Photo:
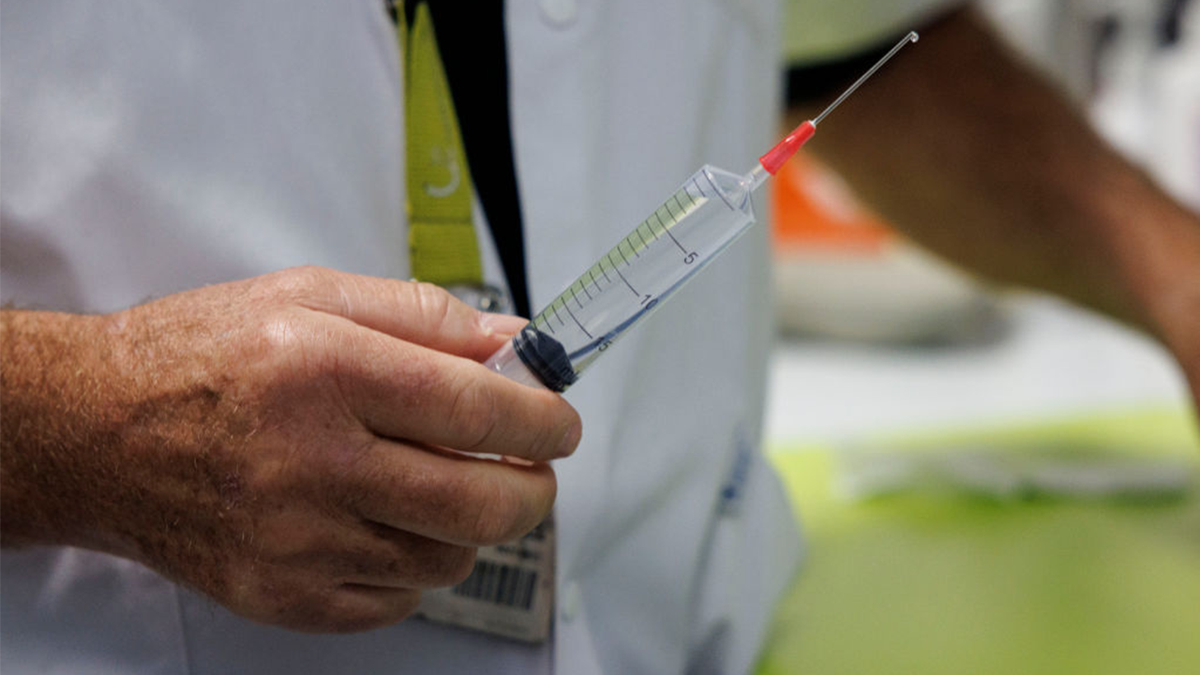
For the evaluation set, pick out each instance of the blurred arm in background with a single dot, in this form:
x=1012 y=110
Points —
x=972 y=153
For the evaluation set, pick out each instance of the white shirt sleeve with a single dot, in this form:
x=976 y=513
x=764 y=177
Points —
x=816 y=30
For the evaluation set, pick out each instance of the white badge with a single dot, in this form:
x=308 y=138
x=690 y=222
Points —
x=510 y=593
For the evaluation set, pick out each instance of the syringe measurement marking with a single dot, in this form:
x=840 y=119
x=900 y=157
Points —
x=684 y=210
x=592 y=276
x=650 y=229
x=658 y=217
x=554 y=310
x=631 y=288
x=668 y=232
x=585 y=331
x=574 y=295
x=672 y=218
x=560 y=305
x=645 y=244
x=617 y=269
x=583 y=287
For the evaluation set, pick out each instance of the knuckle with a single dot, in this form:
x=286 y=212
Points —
x=294 y=283
x=295 y=345
x=421 y=388
x=499 y=518
x=310 y=279
x=281 y=332
x=319 y=288
x=433 y=303
x=457 y=566
x=474 y=413
x=289 y=601
x=419 y=562
x=311 y=601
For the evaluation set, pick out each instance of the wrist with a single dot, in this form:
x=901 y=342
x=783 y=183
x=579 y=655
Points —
x=54 y=429
x=1170 y=292
x=1154 y=245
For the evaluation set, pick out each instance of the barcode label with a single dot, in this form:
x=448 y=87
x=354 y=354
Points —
x=498 y=584
x=510 y=592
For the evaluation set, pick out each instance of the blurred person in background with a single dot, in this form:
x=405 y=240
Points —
x=966 y=149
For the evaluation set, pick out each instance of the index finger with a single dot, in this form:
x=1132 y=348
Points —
x=412 y=311
x=402 y=390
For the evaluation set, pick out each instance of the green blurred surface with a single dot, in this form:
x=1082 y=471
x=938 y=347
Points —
x=935 y=581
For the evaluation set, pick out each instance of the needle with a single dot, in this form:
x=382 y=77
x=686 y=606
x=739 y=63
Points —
x=779 y=154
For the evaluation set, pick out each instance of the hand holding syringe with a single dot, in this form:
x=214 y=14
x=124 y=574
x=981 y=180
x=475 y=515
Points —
x=683 y=235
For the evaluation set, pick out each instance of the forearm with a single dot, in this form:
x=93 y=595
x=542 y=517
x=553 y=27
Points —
x=961 y=146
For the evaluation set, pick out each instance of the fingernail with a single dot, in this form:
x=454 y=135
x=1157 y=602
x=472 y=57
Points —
x=504 y=325
x=569 y=439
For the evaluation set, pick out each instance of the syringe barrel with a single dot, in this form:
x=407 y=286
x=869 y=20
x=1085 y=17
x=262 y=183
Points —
x=506 y=362
x=633 y=279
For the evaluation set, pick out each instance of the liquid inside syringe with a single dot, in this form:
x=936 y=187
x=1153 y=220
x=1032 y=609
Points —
x=689 y=230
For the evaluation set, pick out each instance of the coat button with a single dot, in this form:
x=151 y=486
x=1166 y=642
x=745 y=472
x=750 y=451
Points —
x=560 y=13
x=572 y=602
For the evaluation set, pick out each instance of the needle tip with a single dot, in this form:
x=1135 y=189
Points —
x=913 y=37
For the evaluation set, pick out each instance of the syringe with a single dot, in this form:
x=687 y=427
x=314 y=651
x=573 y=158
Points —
x=690 y=229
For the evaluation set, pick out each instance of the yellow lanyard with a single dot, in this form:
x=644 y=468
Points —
x=441 y=233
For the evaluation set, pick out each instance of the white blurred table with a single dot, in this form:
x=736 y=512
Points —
x=1053 y=360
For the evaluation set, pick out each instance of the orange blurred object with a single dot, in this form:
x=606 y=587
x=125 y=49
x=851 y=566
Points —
x=813 y=208
x=842 y=272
